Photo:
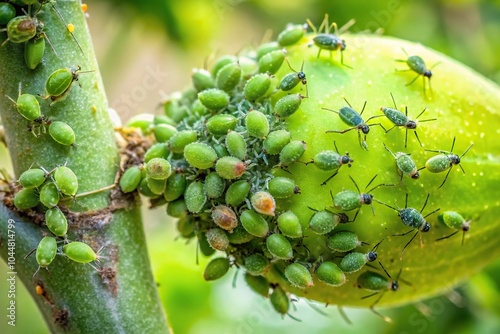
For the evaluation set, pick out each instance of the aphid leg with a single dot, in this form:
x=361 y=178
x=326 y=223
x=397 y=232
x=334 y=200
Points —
x=446 y=177
x=448 y=236
x=328 y=179
x=413 y=80
x=344 y=315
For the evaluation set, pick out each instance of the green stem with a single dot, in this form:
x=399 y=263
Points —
x=122 y=296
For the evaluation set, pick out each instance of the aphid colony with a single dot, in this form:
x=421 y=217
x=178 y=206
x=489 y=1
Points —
x=28 y=28
x=219 y=148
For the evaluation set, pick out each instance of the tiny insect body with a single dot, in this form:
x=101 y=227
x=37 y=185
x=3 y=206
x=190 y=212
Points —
x=445 y=161
x=329 y=160
x=354 y=119
x=59 y=83
x=291 y=80
x=454 y=220
x=405 y=164
x=417 y=65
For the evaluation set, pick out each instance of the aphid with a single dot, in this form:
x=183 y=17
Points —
x=329 y=160
x=199 y=155
x=45 y=253
x=271 y=62
x=32 y=178
x=158 y=169
x=49 y=195
x=66 y=180
x=163 y=132
x=175 y=187
x=298 y=275
x=289 y=225
x=258 y=284
x=256 y=264
x=329 y=273
x=56 y=222
x=224 y=217
x=202 y=79
x=257 y=86
x=230 y=168
x=400 y=119
x=62 y=133
x=283 y=187
x=214 y=185
x=352 y=118
x=236 y=145
x=22 y=28
x=179 y=141
x=59 y=83
x=291 y=80
x=280 y=300
x=219 y=125
x=254 y=223
x=81 y=252
x=217 y=239
x=237 y=192
x=228 y=77
x=279 y=247
x=291 y=35
x=354 y=261
x=26 y=199
x=131 y=179
x=344 y=241
x=323 y=222
x=414 y=219
x=185 y=227
x=27 y=105
x=348 y=200
x=33 y=52
x=276 y=141
x=7 y=13
x=454 y=220
x=292 y=152
x=445 y=161
x=175 y=208
x=257 y=124
x=195 y=197
x=288 y=105
x=328 y=41
x=157 y=186
x=372 y=281
x=405 y=164
x=264 y=203
x=216 y=268
x=417 y=65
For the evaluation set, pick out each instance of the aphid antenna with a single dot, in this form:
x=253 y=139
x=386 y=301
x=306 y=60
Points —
x=50 y=43
x=313 y=209
x=387 y=205
x=317 y=309
x=376 y=246
x=291 y=316
x=345 y=27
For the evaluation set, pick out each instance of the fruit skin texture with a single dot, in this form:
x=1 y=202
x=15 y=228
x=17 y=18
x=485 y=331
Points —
x=456 y=91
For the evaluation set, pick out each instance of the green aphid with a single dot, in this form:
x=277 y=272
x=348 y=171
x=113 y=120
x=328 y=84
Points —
x=258 y=284
x=180 y=140
x=157 y=186
x=158 y=169
x=214 y=185
x=224 y=217
x=45 y=252
x=56 y=222
x=27 y=105
x=329 y=160
x=265 y=48
x=176 y=208
x=417 y=65
x=230 y=168
x=66 y=180
x=292 y=152
x=288 y=105
x=454 y=220
x=32 y=178
x=186 y=226
x=298 y=275
x=59 y=83
x=214 y=99
x=276 y=141
x=217 y=239
x=221 y=124
x=405 y=164
x=195 y=197
x=354 y=261
x=289 y=225
x=279 y=300
x=22 y=28
x=445 y=161
x=216 y=268
x=283 y=187
x=33 y=52
x=271 y=62
x=257 y=86
x=291 y=80
x=344 y=241
x=279 y=247
x=163 y=132
x=26 y=199
x=329 y=273
x=323 y=222
x=257 y=124
x=203 y=244
x=7 y=13
x=62 y=133
x=237 y=192
x=176 y=185
x=236 y=145
x=200 y=155
x=80 y=252
x=228 y=77
x=256 y=264
x=292 y=34
x=49 y=195
x=130 y=179
x=254 y=223
x=202 y=80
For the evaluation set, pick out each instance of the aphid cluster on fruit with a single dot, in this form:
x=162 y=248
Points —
x=228 y=159
x=29 y=28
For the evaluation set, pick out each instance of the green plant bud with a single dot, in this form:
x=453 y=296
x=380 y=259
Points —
x=237 y=192
x=276 y=141
x=240 y=236
x=292 y=152
x=79 y=252
x=179 y=140
x=283 y=187
x=236 y=145
x=228 y=77
x=298 y=276
x=200 y=155
x=205 y=247
x=66 y=180
x=263 y=203
x=26 y=199
x=46 y=251
x=163 y=132
x=257 y=124
x=177 y=208
x=343 y=241
x=266 y=48
x=141 y=121
x=289 y=225
x=158 y=169
x=224 y=217
x=271 y=61
x=49 y=195
x=221 y=62
x=202 y=79
x=32 y=178
x=230 y=168
x=56 y=222
x=279 y=300
x=185 y=226
x=288 y=105
x=258 y=284
x=33 y=52
x=214 y=99
x=291 y=35
x=195 y=197
x=145 y=190
x=7 y=13
x=22 y=28
x=130 y=179
x=254 y=223
x=176 y=185
x=279 y=247
x=217 y=239
x=219 y=125
x=257 y=264
x=220 y=150
x=158 y=150
x=329 y=273
x=216 y=268
x=62 y=133
x=323 y=222
x=257 y=86
x=157 y=187
x=214 y=185
x=27 y=105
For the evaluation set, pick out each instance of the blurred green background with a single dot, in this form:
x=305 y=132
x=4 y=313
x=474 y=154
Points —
x=146 y=49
